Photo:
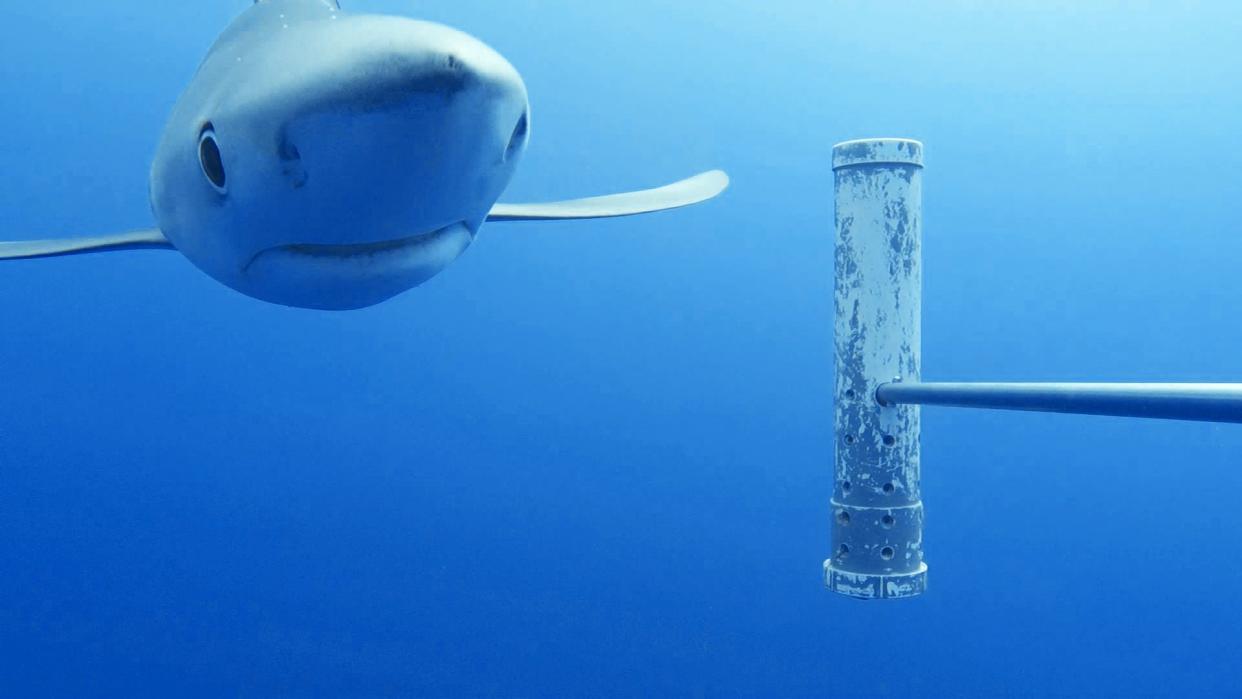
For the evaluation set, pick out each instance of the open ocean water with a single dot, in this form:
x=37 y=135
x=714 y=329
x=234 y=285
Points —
x=594 y=459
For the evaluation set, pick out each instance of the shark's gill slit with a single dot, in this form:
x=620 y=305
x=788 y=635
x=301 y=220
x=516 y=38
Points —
x=210 y=159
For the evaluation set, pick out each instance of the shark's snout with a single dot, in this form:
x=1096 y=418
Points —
x=398 y=60
x=414 y=134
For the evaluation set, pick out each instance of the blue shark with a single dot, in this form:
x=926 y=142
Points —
x=327 y=160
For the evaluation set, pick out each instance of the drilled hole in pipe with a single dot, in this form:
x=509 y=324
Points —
x=843 y=551
x=843 y=518
x=845 y=487
x=887 y=521
x=889 y=440
x=850 y=394
x=849 y=439
x=887 y=553
x=888 y=488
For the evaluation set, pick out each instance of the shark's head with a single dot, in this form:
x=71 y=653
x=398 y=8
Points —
x=331 y=161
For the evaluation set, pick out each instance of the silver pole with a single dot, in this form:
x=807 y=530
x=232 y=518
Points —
x=1207 y=402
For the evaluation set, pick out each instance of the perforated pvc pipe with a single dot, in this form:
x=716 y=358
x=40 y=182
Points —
x=877 y=508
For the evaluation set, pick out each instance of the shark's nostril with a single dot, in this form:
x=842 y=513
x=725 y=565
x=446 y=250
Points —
x=518 y=140
x=291 y=163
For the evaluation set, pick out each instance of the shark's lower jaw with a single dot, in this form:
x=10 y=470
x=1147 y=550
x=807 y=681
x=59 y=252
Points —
x=345 y=277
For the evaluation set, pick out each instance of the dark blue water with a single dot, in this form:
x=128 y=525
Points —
x=594 y=459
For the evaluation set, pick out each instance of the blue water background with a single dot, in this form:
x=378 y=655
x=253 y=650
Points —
x=594 y=459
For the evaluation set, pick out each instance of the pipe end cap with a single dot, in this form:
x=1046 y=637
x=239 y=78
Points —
x=870 y=586
x=873 y=151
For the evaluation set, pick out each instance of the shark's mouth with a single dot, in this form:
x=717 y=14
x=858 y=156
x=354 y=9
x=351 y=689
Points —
x=353 y=252
x=353 y=275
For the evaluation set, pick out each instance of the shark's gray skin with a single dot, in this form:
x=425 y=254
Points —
x=325 y=160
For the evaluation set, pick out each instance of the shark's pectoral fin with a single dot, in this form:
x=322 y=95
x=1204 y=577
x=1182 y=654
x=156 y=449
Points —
x=136 y=240
x=684 y=193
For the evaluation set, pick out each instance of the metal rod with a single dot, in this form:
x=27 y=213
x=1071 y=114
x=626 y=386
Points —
x=1205 y=402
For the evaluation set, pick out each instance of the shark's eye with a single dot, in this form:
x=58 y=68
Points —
x=210 y=160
